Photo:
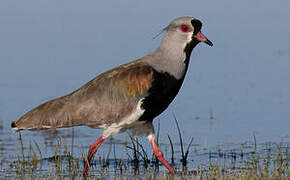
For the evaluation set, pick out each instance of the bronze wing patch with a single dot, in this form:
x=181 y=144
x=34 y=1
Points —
x=136 y=81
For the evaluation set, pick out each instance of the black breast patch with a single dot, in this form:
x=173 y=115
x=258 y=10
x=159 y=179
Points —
x=162 y=92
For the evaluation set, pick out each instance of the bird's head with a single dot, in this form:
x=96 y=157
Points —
x=173 y=54
x=185 y=31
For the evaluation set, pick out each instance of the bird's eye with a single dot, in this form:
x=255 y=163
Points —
x=184 y=28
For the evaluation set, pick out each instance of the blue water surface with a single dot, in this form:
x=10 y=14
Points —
x=237 y=88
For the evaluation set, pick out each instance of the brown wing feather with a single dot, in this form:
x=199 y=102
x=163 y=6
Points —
x=104 y=100
x=136 y=81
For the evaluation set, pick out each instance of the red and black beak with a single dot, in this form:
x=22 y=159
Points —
x=200 y=37
x=197 y=33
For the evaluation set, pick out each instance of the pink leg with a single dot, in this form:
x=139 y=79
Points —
x=159 y=154
x=92 y=151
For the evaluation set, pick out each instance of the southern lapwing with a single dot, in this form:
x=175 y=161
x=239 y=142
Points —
x=127 y=97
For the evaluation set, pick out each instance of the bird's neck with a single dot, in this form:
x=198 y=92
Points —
x=175 y=61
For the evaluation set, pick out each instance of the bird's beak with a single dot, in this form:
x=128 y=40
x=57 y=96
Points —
x=199 y=36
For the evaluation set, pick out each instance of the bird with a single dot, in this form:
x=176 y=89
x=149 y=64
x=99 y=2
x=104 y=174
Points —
x=127 y=97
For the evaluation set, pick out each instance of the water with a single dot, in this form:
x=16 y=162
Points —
x=237 y=88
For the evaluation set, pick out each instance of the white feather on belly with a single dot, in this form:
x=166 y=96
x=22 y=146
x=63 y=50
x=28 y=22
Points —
x=126 y=123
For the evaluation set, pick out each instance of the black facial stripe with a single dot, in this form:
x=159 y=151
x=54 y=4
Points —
x=188 y=49
x=197 y=25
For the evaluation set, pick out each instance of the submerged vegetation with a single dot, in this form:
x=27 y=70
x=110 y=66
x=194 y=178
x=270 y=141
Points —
x=248 y=160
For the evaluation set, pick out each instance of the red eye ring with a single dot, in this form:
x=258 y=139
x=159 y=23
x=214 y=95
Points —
x=184 y=28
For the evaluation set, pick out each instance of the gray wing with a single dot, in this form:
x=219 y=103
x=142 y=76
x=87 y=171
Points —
x=104 y=100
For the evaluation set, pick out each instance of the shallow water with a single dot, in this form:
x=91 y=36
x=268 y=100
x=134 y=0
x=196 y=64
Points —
x=237 y=88
x=62 y=156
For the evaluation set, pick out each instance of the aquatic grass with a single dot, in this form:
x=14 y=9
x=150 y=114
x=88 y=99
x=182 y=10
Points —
x=38 y=148
x=214 y=171
x=250 y=161
x=183 y=155
x=117 y=163
x=144 y=156
x=172 y=151
x=106 y=162
x=57 y=156
x=27 y=165
x=21 y=160
x=33 y=156
x=136 y=154
x=139 y=150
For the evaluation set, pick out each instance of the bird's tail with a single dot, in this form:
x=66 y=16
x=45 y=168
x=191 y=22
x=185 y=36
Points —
x=52 y=114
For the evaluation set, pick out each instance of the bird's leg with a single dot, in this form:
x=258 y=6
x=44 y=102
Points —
x=159 y=154
x=92 y=151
